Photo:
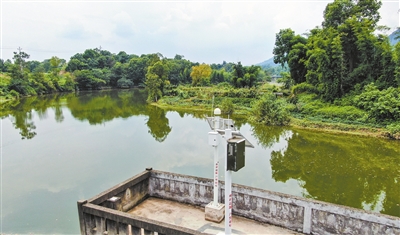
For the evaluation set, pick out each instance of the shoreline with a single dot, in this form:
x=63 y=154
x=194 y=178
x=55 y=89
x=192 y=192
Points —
x=334 y=128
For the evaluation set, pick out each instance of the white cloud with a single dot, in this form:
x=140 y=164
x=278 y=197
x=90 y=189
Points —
x=202 y=31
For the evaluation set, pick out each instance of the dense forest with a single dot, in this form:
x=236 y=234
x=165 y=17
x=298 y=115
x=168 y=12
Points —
x=348 y=61
x=98 y=69
x=345 y=70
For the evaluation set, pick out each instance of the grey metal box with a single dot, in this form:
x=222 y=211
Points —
x=236 y=154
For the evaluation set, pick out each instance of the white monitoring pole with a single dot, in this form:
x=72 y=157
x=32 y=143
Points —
x=217 y=112
x=228 y=187
x=214 y=211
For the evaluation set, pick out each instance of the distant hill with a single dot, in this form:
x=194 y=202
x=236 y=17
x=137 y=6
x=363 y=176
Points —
x=392 y=37
x=274 y=70
x=268 y=63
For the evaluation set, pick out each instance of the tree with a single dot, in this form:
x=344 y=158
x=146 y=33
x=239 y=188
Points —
x=156 y=79
x=283 y=46
x=19 y=75
x=86 y=80
x=244 y=76
x=55 y=64
x=20 y=58
x=270 y=110
x=201 y=75
x=396 y=59
x=118 y=71
x=122 y=57
x=5 y=65
x=291 y=49
x=339 y=11
x=136 y=70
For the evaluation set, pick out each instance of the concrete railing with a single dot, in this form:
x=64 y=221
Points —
x=295 y=213
x=106 y=212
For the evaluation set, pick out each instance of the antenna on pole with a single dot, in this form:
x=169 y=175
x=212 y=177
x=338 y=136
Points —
x=212 y=106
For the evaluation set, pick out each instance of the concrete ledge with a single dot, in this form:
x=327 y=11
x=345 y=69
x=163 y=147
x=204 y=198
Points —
x=215 y=213
x=298 y=214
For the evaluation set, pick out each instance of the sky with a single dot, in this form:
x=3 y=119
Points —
x=202 y=31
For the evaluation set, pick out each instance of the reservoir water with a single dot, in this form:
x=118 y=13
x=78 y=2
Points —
x=58 y=149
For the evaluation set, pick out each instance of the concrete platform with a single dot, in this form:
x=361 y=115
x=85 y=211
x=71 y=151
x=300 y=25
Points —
x=193 y=218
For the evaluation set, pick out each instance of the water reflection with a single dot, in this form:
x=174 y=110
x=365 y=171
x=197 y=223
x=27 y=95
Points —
x=157 y=123
x=103 y=106
x=267 y=136
x=94 y=107
x=347 y=170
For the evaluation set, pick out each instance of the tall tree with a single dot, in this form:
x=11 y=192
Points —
x=290 y=49
x=19 y=74
x=156 y=79
x=201 y=74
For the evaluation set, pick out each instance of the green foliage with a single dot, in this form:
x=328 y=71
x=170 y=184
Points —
x=394 y=130
x=270 y=110
x=156 y=79
x=342 y=112
x=87 y=81
x=291 y=49
x=227 y=106
x=345 y=53
x=304 y=87
x=124 y=83
x=286 y=80
x=244 y=76
x=201 y=75
x=381 y=105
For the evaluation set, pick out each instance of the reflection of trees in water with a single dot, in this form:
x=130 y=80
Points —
x=94 y=107
x=268 y=135
x=346 y=170
x=20 y=112
x=157 y=123
x=23 y=122
x=99 y=107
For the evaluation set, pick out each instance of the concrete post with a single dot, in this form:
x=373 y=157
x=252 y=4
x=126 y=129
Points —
x=228 y=188
x=81 y=217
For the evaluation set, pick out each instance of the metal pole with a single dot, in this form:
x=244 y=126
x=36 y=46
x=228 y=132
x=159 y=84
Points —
x=228 y=188
x=216 y=164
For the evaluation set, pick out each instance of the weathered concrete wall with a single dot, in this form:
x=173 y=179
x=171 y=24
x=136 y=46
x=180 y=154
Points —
x=260 y=206
x=299 y=214
x=295 y=213
x=126 y=195
x=348 y=221
x=138 y=183
x=99 y=220
x=180 y=188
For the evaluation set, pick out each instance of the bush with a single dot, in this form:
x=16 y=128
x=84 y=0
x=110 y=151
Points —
x=14 y=94
x=227 y=106
x=350 y=113
x=394 y=130
x=381 y=105
x=270 y=110
x=124 y=83
x=304 y=87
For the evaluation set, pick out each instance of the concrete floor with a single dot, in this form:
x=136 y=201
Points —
x=193 y=218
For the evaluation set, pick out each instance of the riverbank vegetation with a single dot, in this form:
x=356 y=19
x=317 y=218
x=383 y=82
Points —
x=344 y=75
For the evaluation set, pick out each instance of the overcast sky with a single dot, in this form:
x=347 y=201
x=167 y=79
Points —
x=201 y=31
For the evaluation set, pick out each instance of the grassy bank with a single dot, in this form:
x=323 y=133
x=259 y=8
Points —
x=306 y=110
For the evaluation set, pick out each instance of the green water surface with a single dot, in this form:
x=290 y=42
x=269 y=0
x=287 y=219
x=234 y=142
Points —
x=61 y=148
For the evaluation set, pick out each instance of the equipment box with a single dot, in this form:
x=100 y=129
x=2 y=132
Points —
x=236 y=154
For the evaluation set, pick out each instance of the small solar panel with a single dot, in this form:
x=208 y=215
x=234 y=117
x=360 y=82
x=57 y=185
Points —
x=228 y=124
